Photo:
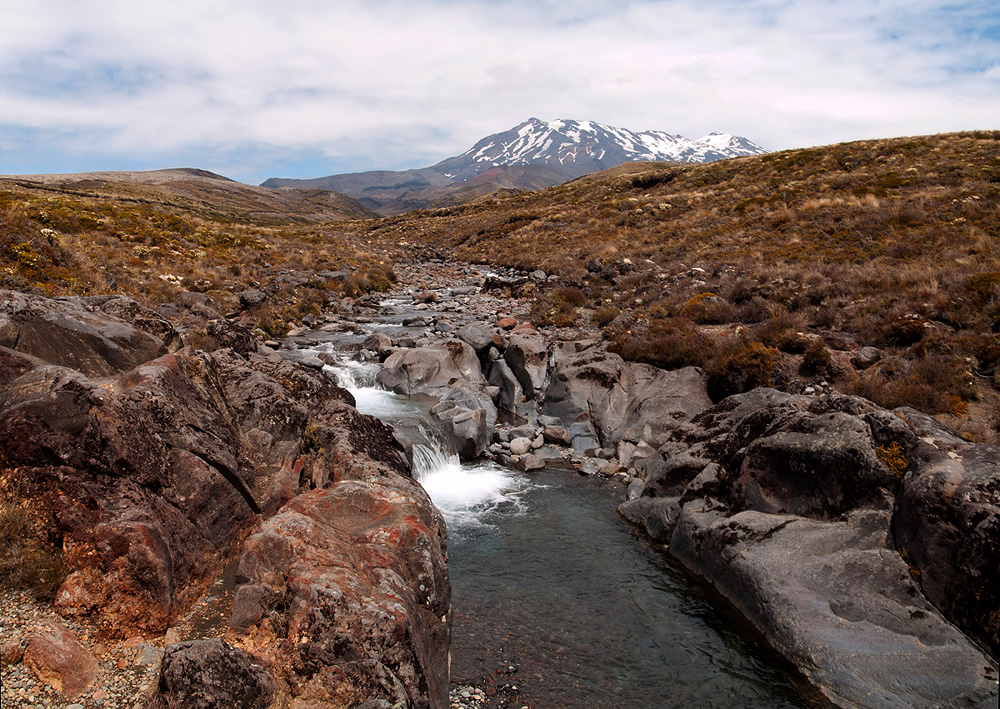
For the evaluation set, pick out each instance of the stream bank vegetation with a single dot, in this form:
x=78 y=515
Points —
x=772 y=270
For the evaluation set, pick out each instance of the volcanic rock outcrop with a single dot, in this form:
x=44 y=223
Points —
x=154 y=469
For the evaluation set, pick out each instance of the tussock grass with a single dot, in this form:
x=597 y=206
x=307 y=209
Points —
x=892 y=243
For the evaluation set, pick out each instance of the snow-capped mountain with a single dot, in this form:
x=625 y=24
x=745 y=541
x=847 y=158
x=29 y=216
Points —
x=587 y=146
x=530 y=156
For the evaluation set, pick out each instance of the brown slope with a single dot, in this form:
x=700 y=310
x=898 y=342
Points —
x=203 y=193
x=890 y=243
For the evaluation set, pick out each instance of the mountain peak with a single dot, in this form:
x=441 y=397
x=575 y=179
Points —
x=580 y=147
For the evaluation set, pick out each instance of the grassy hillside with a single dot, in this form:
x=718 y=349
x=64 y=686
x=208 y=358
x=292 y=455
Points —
x=765 y=270
x=156 y=235
x=742 y=264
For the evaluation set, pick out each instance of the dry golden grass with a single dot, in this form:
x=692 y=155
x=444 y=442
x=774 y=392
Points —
x=58 y=241
x=894 y=242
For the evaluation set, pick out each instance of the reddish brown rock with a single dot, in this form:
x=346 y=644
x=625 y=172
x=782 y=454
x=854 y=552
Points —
x=507 y=323
x=11 y=651
x=58 y=658
x=152 y=483
x=365 y=590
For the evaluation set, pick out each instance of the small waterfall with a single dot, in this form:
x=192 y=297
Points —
x=463 y=492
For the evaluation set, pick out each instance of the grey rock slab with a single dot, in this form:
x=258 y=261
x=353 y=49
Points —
x=73 y=333
x=838 y=604
x=528 y=358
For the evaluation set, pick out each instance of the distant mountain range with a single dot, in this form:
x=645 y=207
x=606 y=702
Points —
x=530 y=156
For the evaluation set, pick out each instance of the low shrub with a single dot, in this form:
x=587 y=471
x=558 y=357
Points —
x=740 y=367
x=816 y=359
x=605 y=315
x=669 y=344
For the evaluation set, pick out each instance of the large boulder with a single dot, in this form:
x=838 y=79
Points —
x=947 y=524
x=783 y=504
x=150 y=482
x=614 y=400
x=78 y=334
x=479 y=336
x=451 y=373
x=528 y=358
x=432 y=370
x=812 y=465
x=357 y=575
x=466 y=420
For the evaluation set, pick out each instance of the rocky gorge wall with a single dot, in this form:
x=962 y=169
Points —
x=860 y=543
x=154 y=467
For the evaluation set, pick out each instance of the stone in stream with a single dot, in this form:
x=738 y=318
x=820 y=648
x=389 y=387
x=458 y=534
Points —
x=528 y=358
x=479 y=336
x=464 y=422
x=520 y=446
x=618 y=401
x=529 y=462
x=557 y=435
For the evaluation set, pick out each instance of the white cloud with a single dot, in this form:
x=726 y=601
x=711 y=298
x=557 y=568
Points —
x=388 y=82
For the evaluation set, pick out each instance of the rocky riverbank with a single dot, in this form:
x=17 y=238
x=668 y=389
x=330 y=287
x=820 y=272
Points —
x=158 y=470
x=861 y=543
x=833 y=526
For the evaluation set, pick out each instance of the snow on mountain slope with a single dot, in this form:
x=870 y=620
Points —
x=593 y=146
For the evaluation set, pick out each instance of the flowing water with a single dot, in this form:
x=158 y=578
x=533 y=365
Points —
x=557 y=603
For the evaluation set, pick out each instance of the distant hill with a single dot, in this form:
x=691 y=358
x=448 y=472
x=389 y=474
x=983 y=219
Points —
x=530 y=156
x=200 y=191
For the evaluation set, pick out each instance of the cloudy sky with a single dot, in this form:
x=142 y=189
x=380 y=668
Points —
x=304 y=88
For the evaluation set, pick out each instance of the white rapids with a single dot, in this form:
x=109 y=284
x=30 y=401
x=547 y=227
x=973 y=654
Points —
x=463 y=492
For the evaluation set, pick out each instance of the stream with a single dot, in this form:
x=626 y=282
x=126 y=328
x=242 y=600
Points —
x=556 y=602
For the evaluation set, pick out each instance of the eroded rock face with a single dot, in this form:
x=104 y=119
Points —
x=837 y=602
x=431 y=370
x=528 y=359
x=616 y=401
x=947 y=522
x=153 y=481
x=786 y=506
x=78 y=334
x=451 y=373
x=466 y=420
x=362 y=570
